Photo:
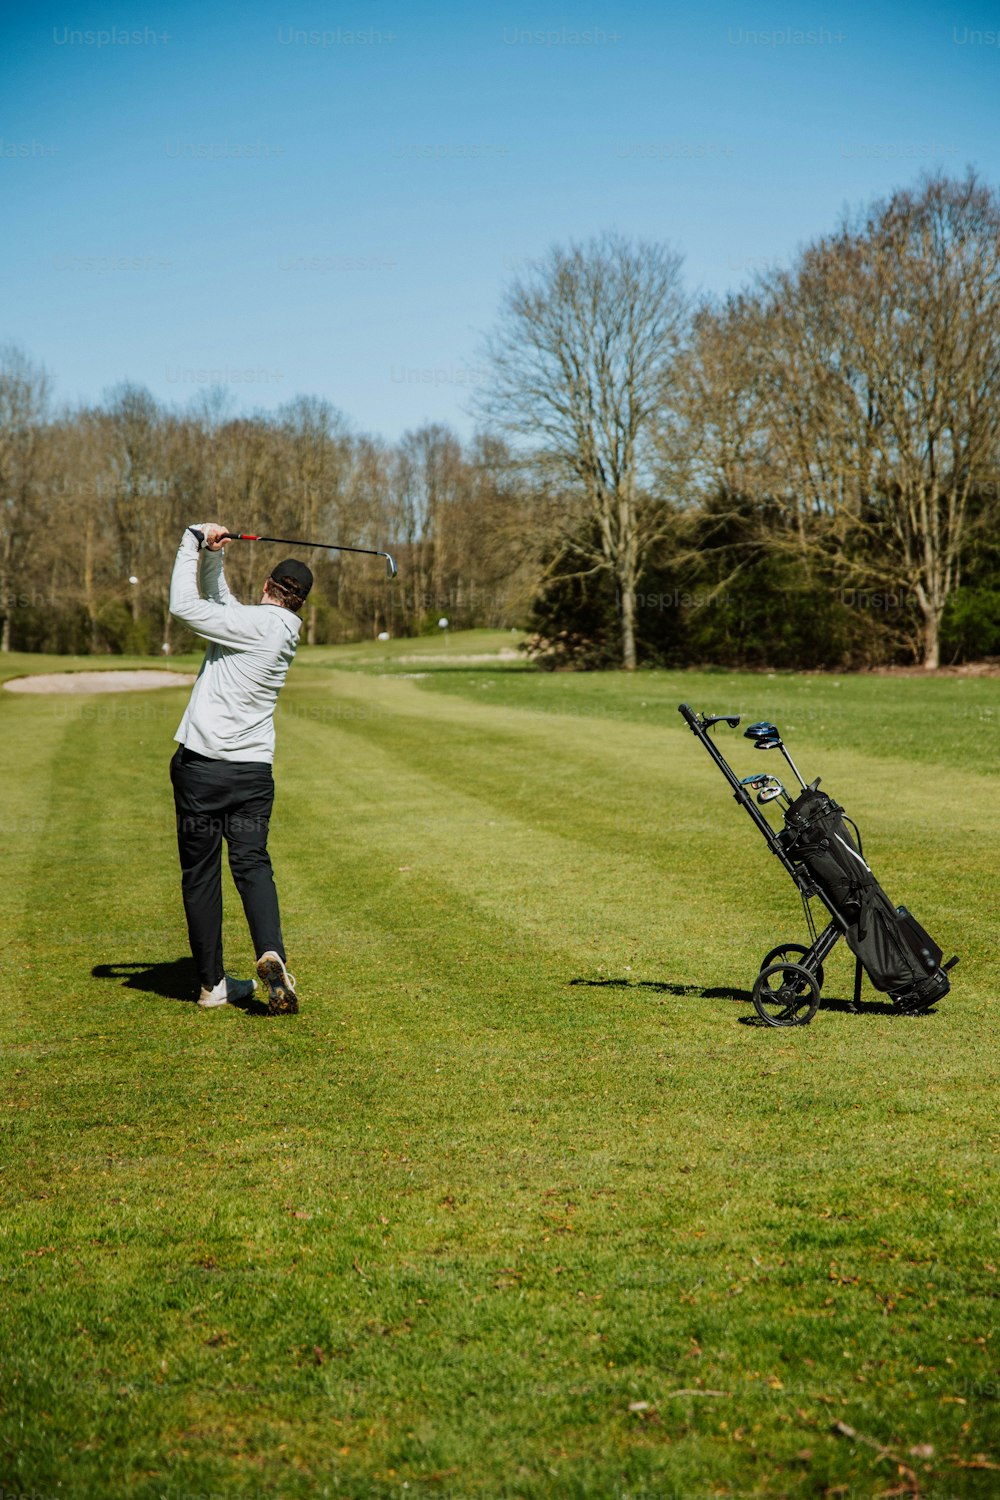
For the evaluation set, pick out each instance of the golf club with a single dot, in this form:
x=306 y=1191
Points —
x=767 y=736
x=767 y=787
x=285 y=541
x=771 y=791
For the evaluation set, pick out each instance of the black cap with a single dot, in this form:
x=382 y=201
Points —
x=293 y=575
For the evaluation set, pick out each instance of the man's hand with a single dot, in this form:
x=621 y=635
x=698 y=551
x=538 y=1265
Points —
x=215 y=536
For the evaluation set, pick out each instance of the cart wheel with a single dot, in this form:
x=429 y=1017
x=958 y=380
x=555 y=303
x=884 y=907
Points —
x=786 y=994
x=793 y=951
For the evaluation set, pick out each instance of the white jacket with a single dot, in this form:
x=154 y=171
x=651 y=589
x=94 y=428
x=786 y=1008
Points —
x=230 y=715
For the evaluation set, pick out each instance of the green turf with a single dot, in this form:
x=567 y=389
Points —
x=518 y=1205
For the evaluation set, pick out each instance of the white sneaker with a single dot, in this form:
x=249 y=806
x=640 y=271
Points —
x=226 y=991
x=281 y=997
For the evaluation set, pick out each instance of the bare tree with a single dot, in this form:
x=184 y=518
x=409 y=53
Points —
x=373 y=508
x=433 y=482
x=135 y=428
x=583 y=364
x=723 y=398
x=240 y=468
x=315 y=464
x=78 y=542
x=501 y=550
x=883 y=380
x=23 y=400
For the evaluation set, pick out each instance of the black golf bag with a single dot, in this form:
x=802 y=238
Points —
x=821 y=850
x=898 y=956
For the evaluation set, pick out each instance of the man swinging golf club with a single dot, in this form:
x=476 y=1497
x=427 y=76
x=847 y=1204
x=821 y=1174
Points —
x=221 y=770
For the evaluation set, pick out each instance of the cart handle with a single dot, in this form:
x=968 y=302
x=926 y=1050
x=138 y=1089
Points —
x=705 y=721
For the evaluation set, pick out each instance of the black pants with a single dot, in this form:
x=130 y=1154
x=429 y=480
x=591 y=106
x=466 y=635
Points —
x=231 y=799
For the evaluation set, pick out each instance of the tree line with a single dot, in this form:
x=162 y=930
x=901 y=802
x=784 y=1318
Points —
x=804 y=473
x=808 y=469
x=95 y=501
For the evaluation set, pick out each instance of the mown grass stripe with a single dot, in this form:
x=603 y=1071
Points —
x=501 y=1207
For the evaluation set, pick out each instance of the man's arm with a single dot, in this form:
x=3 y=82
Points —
x=227 y=624
x=212 y=576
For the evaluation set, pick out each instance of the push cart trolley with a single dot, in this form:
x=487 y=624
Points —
x=826 y=860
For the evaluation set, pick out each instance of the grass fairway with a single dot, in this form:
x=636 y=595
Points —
x=518 y=1205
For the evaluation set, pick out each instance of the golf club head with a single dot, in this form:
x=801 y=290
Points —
x=759 y=779
x=763 y=730
x=390 y=566
x=768 y=793
x=768 y=743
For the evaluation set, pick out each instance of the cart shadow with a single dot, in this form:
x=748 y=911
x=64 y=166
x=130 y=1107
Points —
x=175 y=979
x=721 y=992
x=863 y=1007
x=660 y=987
x=847 y=1007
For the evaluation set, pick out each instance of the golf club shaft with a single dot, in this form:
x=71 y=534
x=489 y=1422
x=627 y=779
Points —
x=287 y=541
x=781 y=747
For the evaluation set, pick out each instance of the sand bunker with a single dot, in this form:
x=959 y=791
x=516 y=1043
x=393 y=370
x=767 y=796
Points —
x=98 y=682
x=504 y=654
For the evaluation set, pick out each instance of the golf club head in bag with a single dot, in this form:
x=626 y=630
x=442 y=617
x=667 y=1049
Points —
x=766 y=786
x=770 y=792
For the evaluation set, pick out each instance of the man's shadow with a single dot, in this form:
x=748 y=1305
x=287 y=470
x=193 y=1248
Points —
x=176 y=979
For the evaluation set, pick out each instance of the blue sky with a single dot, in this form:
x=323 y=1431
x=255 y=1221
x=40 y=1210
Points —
x=293 y=197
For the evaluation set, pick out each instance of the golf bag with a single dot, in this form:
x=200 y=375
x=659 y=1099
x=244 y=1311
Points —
x=898 y=956
x=825 y=859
